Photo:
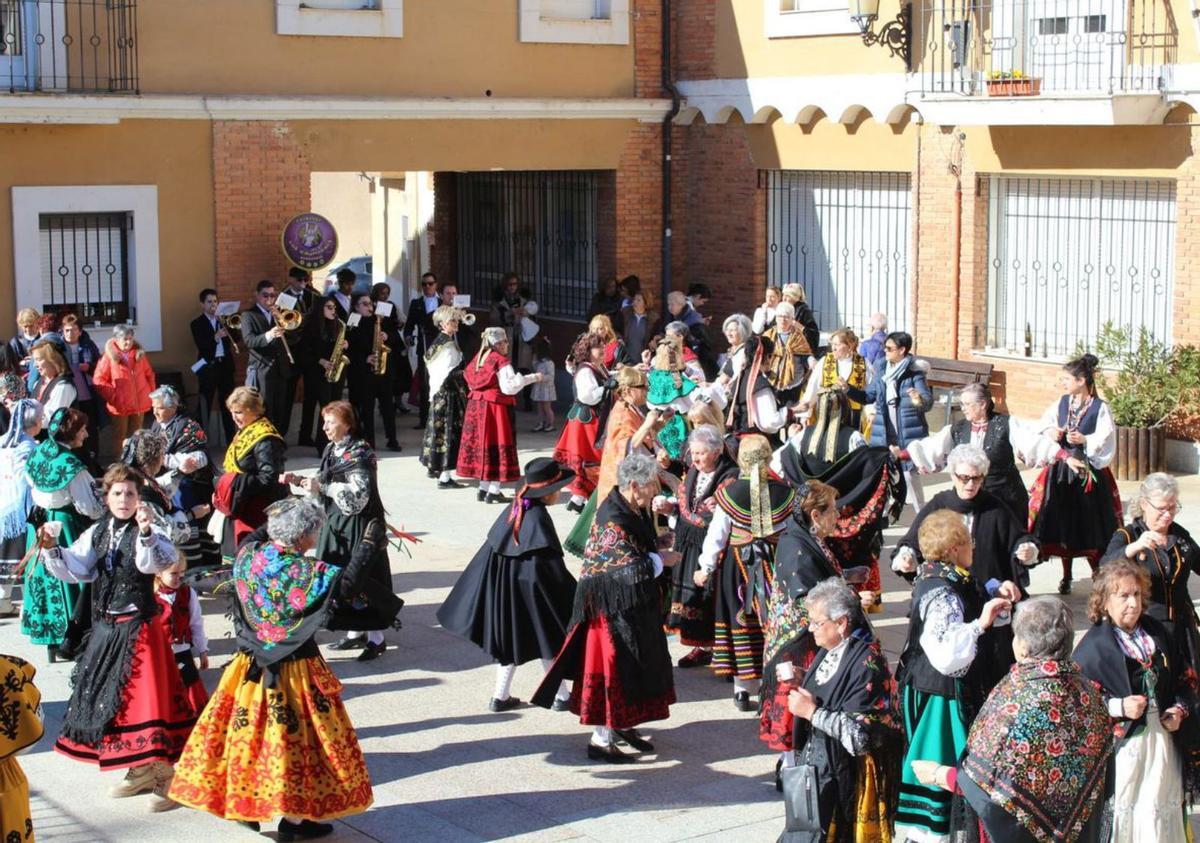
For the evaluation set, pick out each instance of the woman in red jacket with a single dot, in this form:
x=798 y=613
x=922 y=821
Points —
x=124 y=380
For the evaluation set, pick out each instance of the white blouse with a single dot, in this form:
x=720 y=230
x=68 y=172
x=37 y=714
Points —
x=947 y=640
x=1100 y=445
x=80 y=492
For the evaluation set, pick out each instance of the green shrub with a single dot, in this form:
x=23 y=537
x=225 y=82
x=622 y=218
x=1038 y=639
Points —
x=1147 y=381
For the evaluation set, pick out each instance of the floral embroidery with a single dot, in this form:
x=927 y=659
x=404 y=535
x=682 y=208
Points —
x=276 y=587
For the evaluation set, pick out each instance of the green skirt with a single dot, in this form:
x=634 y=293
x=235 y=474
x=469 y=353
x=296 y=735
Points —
x=578 y=537
x=48 y=601
x=936 y=731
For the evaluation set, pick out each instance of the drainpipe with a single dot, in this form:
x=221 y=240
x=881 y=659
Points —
x=955 y=268
x=668 y=85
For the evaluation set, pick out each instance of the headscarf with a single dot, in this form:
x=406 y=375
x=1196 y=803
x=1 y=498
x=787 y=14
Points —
x=12 y=387
x=16 y=428
x=754 y=457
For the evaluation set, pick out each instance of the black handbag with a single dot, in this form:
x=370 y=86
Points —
x=802 y=808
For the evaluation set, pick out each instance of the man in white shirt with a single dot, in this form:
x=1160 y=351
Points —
x=215 y=347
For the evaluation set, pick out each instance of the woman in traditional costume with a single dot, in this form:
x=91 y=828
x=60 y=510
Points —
x=253 y=463
x=21 y=702
x=56 y=382
x=347 y=486
x=1034 y=767
x=739 y=549
x=1001 y=556
x=751 y=406
x=940 y=691
x=786 y=354
x=183 y=622
x=275 y=738
x=578 y=445
x=16 y=500
x=444 y=364
x=614 y=347
x=63 y=492
x=128 y=707
x=692 y=612
x=1150 y=694
x=615 y=653
x=489 y=441
x=672 y=394
x=847 y=727
x=515 y=597
x=187 y=460
x=842 y=368
x=1074 y=505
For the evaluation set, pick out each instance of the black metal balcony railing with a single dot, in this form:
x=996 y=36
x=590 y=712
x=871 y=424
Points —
x=1012 y=48
x=75 y=46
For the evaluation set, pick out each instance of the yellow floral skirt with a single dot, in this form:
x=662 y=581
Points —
x=15 y=823
x=257 y=753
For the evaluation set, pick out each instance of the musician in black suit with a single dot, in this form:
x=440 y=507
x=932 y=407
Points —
x=300 y=286
x=343 y=294
x=421 y=332
x=306 y=297
x=268 y=368
x=393 y=326
x=214 y=346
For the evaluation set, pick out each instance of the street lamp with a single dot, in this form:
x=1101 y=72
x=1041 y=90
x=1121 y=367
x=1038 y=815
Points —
x=895 y=34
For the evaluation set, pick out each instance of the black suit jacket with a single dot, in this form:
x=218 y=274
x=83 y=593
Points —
x=266 y=354
x=205 y=338
x=419 y=326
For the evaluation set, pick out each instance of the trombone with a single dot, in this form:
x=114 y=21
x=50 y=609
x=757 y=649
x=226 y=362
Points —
x=288 y=319
x=231 y=323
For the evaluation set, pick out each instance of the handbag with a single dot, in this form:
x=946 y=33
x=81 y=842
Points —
x=802 y=810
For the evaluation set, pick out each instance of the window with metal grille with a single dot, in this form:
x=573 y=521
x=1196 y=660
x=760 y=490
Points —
x=85 y=265
x=540 y=225
x=1067 y=255
x=845 y=237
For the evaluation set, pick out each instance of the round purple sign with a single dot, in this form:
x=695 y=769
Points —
x=309 y=241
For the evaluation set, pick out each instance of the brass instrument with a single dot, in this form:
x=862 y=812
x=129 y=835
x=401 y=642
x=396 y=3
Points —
x=289 y=320
x=338 y=360
x=467 y=319
x=231 y=323
x=379 y=349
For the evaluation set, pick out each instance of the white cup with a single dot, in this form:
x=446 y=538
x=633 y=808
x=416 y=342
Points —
x=785 y=672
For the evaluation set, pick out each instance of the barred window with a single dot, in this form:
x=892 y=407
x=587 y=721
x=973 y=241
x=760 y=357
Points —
x=85 y=265
x=1067 y=255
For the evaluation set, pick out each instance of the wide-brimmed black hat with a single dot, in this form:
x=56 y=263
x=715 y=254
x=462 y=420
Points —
x=544 y=476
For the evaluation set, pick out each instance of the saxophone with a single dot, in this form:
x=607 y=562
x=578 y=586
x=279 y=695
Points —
x=337 y=360
x=379 y=349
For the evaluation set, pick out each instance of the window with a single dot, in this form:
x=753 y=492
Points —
x=574 y=21
x=797 y=18
x=1067 y=255
x=845 y=237
x=351 y=18
x=92 y=249
x=1095 y=23
x=1052 y=26
x=85 y=265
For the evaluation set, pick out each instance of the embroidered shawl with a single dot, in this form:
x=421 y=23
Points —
x=278 y=589
x=52 y=466
x=857 y=379
x=245 y=440
x=782 y=369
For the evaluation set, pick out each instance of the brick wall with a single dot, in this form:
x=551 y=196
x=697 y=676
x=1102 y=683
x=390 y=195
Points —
x=261 y=179
x=647 y=48
x=694 y=44
x=443 y=251
x=639 y=205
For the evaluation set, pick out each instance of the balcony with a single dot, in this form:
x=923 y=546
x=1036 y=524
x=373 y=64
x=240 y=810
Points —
x=1023 y=62
x=68 y=46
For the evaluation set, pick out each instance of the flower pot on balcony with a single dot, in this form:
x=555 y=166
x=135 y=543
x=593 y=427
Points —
x=1140 y=451
x=1014 y=87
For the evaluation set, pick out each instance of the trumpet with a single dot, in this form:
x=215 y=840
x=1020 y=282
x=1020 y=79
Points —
x=467 y=319
x=231 y=323
x=289 y=320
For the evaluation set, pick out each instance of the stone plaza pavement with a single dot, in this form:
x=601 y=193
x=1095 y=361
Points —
x=443 y=766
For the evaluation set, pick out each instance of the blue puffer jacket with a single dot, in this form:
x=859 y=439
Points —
x=911 y=417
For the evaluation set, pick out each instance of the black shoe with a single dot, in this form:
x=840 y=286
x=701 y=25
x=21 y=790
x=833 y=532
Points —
x=634 y=738
x=305 y=830
x=574 y=507
x=779 y=775
x=608 y=753
x=250 y=824
x=450 y=484
x=560 y=705
x=431 y=474
x=1064 y=585
x=371 y=652
x=698 y=657
x=496 y=497
x=52 y=653
x=394 y=446
x=741 y=700
x=480 y=495
x=503 y=705
x=402 y=410
x=349 y=644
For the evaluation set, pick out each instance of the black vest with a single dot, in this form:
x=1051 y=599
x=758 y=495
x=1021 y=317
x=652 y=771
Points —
x=995 y=444
x=118 y=581
x=914 y=668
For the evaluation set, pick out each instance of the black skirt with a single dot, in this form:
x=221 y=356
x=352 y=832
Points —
x=692 y=609
x=443 y=433
x=1070 y=516
x=377 y=606
x=515 y=609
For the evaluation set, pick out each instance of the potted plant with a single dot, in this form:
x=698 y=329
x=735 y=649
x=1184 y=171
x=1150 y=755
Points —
x=1146 y=383
x=1012 y=83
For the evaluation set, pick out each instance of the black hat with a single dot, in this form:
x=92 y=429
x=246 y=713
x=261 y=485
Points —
x=544 y=476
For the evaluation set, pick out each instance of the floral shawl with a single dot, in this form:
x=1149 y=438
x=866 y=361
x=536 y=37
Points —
x=278 y=590
x=52 y=466
x=245 y=440
x=1039 y=748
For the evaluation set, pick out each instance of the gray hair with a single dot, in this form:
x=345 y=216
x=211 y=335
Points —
x=794 y=291
x=493 y=336
x=785 y=309
x=706 y=435
x=676 y=297
x=636 y=468
x=1045 y=626
x=1158 y=483
x=291 y=519
x=121 y=330
x=974 y=392
x=743 y=323
x=877 y=322
x=679 y=329
x=837 y=598
x=32 y=415
x=971 y=456
x=166 y=395
x=146 y=447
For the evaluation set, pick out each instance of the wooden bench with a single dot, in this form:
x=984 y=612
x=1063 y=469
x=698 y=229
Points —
x=946 y=377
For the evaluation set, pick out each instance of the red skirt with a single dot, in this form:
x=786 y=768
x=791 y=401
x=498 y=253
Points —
x=489 y=445
x=155 y=717
x=576 y=449
x=596 y=695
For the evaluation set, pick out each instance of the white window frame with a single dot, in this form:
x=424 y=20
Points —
x=29 y=203
x=814 y=17
x=536 y=29
x=384 y=20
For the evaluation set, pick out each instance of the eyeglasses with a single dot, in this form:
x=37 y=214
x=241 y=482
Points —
x=267 y=295
x=969 y=479
x=1173 y=509
x=813 y=626
x=428 y=283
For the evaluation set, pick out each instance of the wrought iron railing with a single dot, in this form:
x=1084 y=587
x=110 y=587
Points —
x=1007 y=48
x=69 y=46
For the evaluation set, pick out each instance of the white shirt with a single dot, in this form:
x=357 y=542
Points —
x=77 y=564
x=80 y=493
x=212 y=320
x=199 y=644
x=588 y=390
x=717 y=538
x=1100 y=445
x=948 y=642
x=511 y=383
x=431 y=303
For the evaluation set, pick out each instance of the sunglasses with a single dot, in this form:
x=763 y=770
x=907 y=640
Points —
x=428 y=283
